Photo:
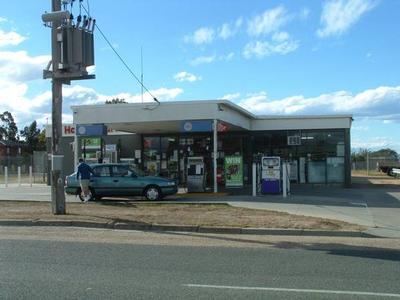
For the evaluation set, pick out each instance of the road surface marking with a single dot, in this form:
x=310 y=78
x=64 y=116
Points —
x=355 y=293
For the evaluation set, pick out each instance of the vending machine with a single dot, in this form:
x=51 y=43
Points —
x=196 y=177
x=270 y=175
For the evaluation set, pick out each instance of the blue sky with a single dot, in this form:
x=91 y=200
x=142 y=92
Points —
x=271 y=57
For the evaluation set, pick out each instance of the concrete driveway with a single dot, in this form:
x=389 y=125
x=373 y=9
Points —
x=374 y=204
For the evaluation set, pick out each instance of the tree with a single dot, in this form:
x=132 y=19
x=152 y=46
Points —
x=116 y=101
x=31 y=134
x=8 y=128
x=42 y=140
x=387 y=154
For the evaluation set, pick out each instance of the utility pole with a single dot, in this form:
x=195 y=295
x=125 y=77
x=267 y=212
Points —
x=72 y=49
x=57 y=184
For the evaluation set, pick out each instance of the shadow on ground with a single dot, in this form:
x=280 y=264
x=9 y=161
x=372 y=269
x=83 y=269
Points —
x=329 y=248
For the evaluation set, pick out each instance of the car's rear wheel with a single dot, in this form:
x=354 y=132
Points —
x=152 y=193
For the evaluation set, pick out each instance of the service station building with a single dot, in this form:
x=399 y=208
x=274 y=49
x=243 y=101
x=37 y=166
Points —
x=211 y=144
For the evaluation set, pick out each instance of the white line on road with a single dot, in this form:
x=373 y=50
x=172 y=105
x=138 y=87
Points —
x=354 y=293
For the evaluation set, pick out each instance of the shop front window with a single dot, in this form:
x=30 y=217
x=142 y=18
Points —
x=316 y=156
x=151 y=155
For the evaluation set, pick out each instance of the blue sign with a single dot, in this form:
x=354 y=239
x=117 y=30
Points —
x=196 y=126
x=91 y=130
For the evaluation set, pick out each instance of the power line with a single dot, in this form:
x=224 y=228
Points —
x=122 y=60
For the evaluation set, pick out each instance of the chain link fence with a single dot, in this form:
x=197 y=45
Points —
x=374 y=165
x=24 y=169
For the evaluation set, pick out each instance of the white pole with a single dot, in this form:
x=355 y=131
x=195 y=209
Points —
x=19 y=176
x=30 y=175
x=215 y=128
x=288 y=177
x=6 y=176
x=284 y=180
x=76 y=153
x=254 y=179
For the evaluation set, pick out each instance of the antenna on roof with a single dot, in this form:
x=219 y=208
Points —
x=141 y=63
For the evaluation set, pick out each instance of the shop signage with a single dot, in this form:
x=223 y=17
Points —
x=222 y=127
x=196 y=126
x=233 y=166
x=91 y=130
x=68 y=130
x=111 y=147
x=294 y=140
x=91 y=143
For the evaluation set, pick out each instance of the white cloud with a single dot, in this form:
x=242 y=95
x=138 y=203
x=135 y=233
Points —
x=212 y=58
x=260 y=49
x=202 y=35
x=270 y=21
x=185 y=76
x=280 y=36
x=239 y=22
x=382 y=103
x=3 y=20
x=228 y=30
x=10 y=38
x=375 y=143
x=339 y=15
x=77 y=95
x=360 y=128
x=231 y=97
x=203 y=60
x=304 y=13
x=19 y=66
x=227 y=57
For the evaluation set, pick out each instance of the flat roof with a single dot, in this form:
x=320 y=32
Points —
x=228 y=103
x=168 y=114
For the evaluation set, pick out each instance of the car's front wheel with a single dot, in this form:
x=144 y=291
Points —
x=152 y=193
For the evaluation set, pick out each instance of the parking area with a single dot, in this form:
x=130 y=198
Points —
x=373 y=202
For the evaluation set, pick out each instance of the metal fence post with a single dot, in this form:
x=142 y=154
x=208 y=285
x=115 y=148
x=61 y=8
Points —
x=19 y=176
x=6 y=176
x=30 y=175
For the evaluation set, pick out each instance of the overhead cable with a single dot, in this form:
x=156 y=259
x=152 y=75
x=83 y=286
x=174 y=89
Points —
x=121 y=59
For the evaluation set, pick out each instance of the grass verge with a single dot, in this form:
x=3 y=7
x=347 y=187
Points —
x=171 y=214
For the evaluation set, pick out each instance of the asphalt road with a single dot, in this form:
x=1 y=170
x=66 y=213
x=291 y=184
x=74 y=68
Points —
x=96 y=264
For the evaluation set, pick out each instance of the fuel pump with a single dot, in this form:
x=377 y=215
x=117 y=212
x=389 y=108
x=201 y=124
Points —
x=270 y=175
x=196 y=175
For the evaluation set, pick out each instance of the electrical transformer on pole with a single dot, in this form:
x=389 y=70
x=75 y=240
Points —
x=72 y=50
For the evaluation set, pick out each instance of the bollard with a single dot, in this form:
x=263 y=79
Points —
x=284 y=180
x=6 y=176
x=30 y=175
x=254 y=180
x=19 y=176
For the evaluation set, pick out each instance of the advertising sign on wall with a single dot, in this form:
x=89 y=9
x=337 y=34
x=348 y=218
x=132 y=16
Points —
x=233 y=166
x=91 y=143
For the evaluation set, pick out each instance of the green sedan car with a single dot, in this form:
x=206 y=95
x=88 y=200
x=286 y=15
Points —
x=118 y=180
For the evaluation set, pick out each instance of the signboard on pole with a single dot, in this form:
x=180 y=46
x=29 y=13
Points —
x=233 y=166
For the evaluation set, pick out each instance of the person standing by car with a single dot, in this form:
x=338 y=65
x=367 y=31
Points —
x=84 y=171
